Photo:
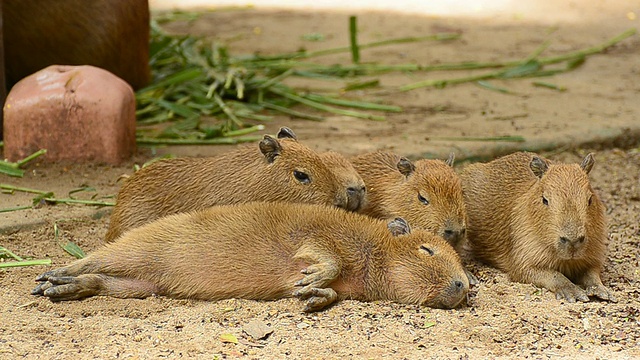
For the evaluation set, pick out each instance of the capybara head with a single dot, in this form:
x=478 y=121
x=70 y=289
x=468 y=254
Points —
x=426 y=270
x=431 y=198
x=327 y=178
x=348 y=176
x=562 y=208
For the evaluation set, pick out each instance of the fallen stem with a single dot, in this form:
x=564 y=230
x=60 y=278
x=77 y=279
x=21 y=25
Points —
x=323 y=107
x=9 y=264
x=22 y=189
x=18 y=208
x=5 y=251
x=78 y=201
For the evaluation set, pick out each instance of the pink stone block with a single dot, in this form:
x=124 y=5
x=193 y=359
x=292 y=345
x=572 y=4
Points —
x=77 y=113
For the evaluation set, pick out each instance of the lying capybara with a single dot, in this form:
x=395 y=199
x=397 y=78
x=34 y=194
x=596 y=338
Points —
x=279 y=169
x=267 y=251
x=428 y=194
x=539 y=221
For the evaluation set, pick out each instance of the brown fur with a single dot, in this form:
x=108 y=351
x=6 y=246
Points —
x=111 y=34
x=393 y=194
x=552 y=245
x=269 y=251
x=250 y=173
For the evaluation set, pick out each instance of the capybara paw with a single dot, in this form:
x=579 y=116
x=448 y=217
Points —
x=572 y=294
x=63 y=288
x=601 y=292
x=320 y=298
x=316 y=275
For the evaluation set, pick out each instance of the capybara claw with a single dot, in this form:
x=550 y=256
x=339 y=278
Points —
x=44 y=276
x=601 y=292
x=320 y=298
x=572 y=294
x=40 y=288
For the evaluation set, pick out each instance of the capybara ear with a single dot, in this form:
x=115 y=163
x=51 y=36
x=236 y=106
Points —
x=538 y=166
x=399 y=226
x=270 y=147
x=451 y=159
x=587 y=163
x=285 y=132
x=405 y=166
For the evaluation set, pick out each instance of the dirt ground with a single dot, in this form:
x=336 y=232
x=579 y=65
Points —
x=502 y=319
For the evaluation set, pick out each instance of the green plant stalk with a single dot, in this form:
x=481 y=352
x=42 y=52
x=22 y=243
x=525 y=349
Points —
x=276 y=79
x=323 y=107
x=226 y=110
x=244 y=131
x=78 y=201
x=9 y=264
x=18 y=208
x=311 y=54
x=353 y=104
x=376 y=68
x=22 y=189
x=445 y=82
x=291 y=112
x=8 y=169
x=4 y=250
x=40 y=152
x=590 y=50
x=353 y=39
x=506 y=138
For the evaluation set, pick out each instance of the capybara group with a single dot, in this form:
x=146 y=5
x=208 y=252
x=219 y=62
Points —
x=268 y=251
x=278 y=169
x=539 y=221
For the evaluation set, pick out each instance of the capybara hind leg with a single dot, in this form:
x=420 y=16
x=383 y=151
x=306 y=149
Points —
x=83 y=286
x=592 y=283
x=320 y=298
x=554 y=281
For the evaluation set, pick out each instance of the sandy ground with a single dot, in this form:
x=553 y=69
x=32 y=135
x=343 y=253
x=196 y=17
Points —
x=502 y=319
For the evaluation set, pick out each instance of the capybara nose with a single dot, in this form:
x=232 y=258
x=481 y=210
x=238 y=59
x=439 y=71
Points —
x=458 y=285
x=453 y=237
x=455 y=294
x=355 y=197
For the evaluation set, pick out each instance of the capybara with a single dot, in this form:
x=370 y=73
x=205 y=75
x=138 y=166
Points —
x=279 y=169
x=269 y=251
x=427 y=193
x=540 y=222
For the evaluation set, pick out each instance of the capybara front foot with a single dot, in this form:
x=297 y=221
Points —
x=601 y=292
x=571 y=293
x=317 y=276
x=67 y=287
x=317 y=299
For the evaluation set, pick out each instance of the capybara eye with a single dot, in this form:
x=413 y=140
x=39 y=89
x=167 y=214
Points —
x=545 y=201
x=302 y=177
x=590 y=199
x=426 y=249
x=422 y=199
